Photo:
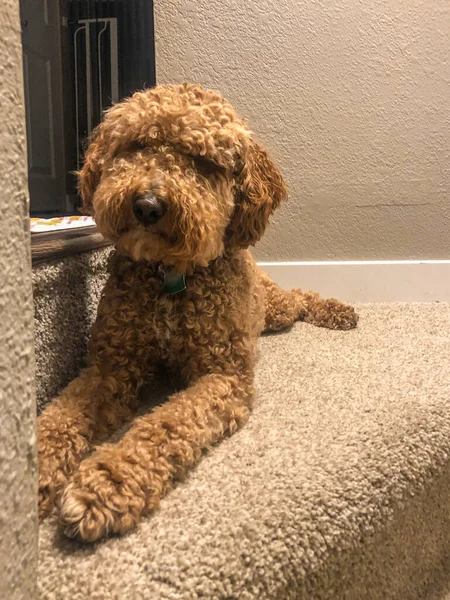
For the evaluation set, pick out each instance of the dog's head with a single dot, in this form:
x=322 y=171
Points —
x=172 y=174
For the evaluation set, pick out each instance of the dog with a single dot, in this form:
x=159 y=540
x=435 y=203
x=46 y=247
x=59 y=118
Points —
x=175 y=179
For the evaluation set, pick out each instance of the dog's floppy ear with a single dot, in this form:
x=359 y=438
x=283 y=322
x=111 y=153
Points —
x=261 y=188
x=89 y=175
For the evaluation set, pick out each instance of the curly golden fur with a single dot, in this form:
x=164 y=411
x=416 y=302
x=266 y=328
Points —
x=188 y=148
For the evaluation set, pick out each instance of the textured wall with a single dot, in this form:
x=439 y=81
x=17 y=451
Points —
x=351 y=96
x=18 y=492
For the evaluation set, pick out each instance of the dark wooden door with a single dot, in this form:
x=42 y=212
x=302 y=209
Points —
x=41 y=38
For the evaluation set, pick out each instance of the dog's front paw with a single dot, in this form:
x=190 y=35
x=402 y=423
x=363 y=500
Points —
x=59 y=455
x=51 y=481
x=337 y=315
x=102 y=498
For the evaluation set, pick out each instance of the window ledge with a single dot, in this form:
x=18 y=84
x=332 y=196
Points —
x=51 y=245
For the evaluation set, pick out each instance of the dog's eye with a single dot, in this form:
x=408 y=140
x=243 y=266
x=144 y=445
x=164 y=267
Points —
x=204 y=166
x=136 y=146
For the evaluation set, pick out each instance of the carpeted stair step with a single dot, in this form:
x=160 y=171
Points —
x=338 y=487
x=66 y=294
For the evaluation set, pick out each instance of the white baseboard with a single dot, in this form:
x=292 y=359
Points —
x=367 y=281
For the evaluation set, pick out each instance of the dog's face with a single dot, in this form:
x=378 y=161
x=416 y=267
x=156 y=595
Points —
x=172 y=175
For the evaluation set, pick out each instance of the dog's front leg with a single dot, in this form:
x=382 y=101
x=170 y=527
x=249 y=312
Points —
x=118 y=483
x=97 y=402
x=90 y=407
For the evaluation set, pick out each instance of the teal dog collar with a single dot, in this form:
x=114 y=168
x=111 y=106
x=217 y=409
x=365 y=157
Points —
x=173 y=283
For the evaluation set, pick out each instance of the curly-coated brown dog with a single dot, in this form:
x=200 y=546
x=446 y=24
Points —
x=174 y=177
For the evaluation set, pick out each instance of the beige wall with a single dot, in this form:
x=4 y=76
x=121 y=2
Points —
x=353 y=99
x=18 y=493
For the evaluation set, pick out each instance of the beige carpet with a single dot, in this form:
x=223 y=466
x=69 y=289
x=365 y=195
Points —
x=338 y=488
x=66 y=295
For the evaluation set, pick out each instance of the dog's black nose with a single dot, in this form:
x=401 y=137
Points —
x=149 y=209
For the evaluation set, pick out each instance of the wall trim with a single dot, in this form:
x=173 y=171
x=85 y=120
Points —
x=367 y=280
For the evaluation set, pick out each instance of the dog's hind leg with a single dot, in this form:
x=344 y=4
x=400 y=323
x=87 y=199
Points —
x=283 y=308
